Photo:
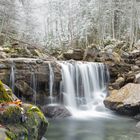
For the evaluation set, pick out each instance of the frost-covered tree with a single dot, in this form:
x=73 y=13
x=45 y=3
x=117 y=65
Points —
x=71 y=23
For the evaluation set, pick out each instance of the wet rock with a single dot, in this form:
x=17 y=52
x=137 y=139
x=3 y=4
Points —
x=137 y=117
x=24 y=88
x=56 y=111
x=138 y=125
x=126 y=100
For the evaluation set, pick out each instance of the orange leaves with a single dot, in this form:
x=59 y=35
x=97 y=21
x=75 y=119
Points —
x=4 y=105
x=16 y=102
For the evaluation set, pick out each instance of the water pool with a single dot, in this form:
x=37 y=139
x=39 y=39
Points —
x=99 y=128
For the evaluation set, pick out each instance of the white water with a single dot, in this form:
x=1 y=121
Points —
x=51 y=79
x=84 y=87
x=34 y=85
x=12 y=77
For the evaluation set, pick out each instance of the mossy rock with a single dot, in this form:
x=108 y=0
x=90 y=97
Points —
x=4 y=96
x=11 y=115
x=36 y=122
x=17 y=132
x=22 y=122
x=33 y=128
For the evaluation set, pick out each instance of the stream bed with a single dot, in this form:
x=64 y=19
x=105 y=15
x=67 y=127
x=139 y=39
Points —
x=97 y=128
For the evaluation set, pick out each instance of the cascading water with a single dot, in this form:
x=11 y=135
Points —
x=51 y=79
x=34 y=85
x=84 y=86
x=12 y=77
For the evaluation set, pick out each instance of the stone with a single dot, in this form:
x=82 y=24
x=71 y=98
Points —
x=4 y=96
x=91 y=53
x=56 y=111
x=137 y=117
x=120 y=70
x=137 y=78
x=3 y=55
x=38 y=53
x=129 y=77
x=126 y=100
x=134 y=54
x=3 y=66
x=3 y=135
x=135 y=68
x=138 y=125
x=76 y=54
x=118 y=83
x=1 y=48
x=2 y=39
x=24 y=88
x=116 y=57
x=22 y=121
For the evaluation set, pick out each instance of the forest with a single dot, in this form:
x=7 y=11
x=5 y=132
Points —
x=69 y=23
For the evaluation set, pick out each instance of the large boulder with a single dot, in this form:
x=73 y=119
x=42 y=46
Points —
x=21 y=121
x=56 y=111
x=24 y=88
x=126 y=100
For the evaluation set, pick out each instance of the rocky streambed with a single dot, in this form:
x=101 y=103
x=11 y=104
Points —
x=28 y=71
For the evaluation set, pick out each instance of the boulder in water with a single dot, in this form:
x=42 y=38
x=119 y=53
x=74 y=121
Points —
x=126 y=100
x=56 y=111
x=137 y=117
x=138 y=125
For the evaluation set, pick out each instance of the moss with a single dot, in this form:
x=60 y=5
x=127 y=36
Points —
x=8 y=138
x=34 y=109
x=36 y=122
x=34 y=126
x=10 y=135
x=32 y=129
x=12 y=114
x=4 y=96
x=16 y=132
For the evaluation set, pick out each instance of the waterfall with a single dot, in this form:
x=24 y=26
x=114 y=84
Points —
x=12 y=77
x=84 y=85
x=51 y=82
x=34 y=85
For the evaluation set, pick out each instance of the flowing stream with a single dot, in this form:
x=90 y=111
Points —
x=83 y=88
x=34 y=86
